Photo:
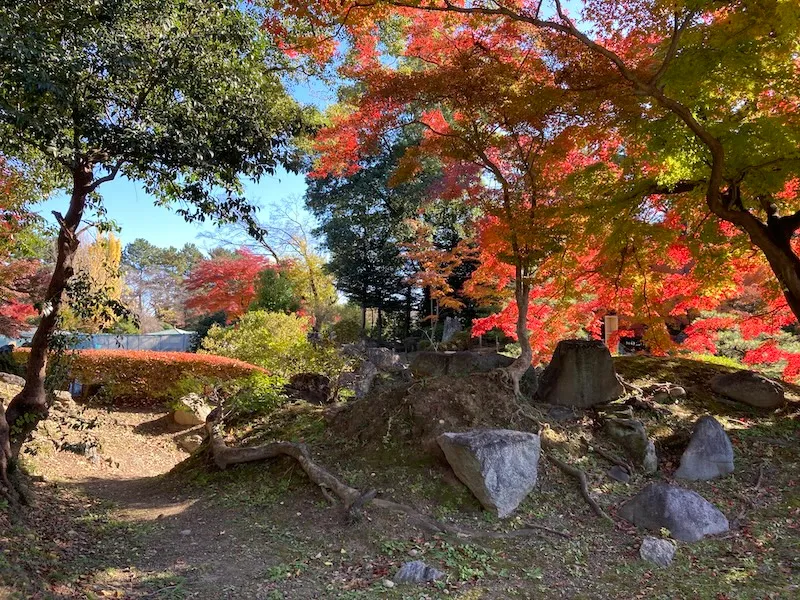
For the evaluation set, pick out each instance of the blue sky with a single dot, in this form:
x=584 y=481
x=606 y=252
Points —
x=136 y=214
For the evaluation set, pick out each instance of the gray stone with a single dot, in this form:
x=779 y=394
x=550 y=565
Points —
x=750 y=388
x=581 y=373
x=417 y=572
x=709 y=453
x=657 y=551
x=451 y=327
x=499 y=466
x=191 y=410
x=561 y=413
x=677 y=392
x=11 y=379
x=687 y=515
x=617 y=473
x=365 y=375
x=384 y=359
x=631 y=435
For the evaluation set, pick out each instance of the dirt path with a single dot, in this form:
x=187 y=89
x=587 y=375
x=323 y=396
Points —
x=142 y=535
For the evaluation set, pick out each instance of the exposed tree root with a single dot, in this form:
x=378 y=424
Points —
x=609 y=456
x=352 y=499
x=576 y=473
x=584 y=485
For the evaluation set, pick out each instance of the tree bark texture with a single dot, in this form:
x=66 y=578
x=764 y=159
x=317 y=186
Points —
x=30 y=406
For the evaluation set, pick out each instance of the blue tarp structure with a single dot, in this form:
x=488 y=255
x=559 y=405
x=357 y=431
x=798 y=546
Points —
x=169 y=340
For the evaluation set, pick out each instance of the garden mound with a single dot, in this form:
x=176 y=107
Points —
x=419 y=412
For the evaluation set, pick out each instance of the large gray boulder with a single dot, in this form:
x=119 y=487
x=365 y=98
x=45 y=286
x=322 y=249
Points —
x=499 y=466
x=750 y=388
x=687 y=515
x=631 y=435
x=709 y=453
x=580 y=374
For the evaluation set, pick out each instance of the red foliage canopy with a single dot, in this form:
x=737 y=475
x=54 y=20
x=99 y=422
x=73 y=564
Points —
x=225 y=283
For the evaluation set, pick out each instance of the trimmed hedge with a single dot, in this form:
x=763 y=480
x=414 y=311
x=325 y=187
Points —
x=144 y=373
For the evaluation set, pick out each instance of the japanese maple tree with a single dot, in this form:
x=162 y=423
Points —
x=226 y=283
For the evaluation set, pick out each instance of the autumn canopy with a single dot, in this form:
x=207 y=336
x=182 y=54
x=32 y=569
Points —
x=637 y=157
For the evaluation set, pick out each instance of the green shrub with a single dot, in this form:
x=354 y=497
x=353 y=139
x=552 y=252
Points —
x=346 y=327
x=257 y=395
x=277 y=342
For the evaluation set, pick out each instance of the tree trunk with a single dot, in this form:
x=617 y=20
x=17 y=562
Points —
x=363 y=319
x=380 y=322
x=407 y=321
x=520 y=366
x=30 y=405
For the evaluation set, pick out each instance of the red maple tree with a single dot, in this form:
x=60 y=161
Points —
x=225 y=283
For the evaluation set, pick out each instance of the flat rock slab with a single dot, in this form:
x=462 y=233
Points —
x=417 y=572
x=709 y=453
x=657 y=551
x=687 y=515
x=499 y=466
x=750 y=388
x=581 y=374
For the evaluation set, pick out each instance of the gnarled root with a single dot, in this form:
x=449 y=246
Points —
x=579 y=475
x=352 y=499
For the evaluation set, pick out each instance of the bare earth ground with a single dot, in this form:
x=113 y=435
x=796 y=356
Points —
x=123 y=526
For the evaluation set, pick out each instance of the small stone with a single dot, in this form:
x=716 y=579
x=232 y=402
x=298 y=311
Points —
x=413 y=552
x=657 y=551
x=632 y=436
x=388 y=583
x=561 y=413
x=677 y=392
x=186 y=532
x=417 y=572
x=617 y=473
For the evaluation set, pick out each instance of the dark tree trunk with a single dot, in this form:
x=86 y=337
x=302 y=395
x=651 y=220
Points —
x=407 y=321
x=363 y=319
x=30 y=405
x=519 y=367
x=380 y=322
